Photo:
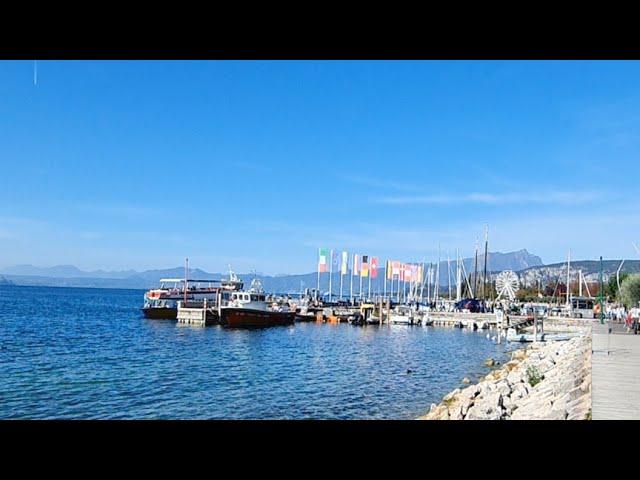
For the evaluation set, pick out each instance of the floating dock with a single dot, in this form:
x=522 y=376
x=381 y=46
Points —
x=197 y=313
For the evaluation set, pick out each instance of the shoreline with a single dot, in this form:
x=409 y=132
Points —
x=543 y=381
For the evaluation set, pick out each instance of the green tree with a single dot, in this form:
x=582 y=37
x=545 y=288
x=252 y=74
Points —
x=630 y=291
x=611 y=288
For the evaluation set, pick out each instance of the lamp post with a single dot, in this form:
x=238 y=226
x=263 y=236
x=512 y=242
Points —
x=601 y=299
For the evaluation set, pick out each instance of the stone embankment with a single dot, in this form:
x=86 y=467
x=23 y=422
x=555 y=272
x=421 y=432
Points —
x=546 y=381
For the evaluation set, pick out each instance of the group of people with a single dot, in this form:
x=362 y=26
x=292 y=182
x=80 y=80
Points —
x=632 y=320
x=619 y=314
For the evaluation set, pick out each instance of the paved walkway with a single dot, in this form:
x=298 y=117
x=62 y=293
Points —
x=615 y=388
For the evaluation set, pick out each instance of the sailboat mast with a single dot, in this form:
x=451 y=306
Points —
x=422 y=279
x=580 y=282
x=484 y=277
x=458 y=277
x=449 y=272
x=436 y=287
x=568 y=273
x=475 y=273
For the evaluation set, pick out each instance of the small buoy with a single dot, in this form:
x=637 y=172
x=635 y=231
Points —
x=409 y=370
x=488 y=335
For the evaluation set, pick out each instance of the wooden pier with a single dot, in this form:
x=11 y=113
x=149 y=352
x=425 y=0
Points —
x=615 y=364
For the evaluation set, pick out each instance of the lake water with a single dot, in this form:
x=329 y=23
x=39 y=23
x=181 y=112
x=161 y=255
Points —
x=90 y=354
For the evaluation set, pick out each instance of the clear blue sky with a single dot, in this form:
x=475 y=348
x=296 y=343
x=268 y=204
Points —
x=134 y=164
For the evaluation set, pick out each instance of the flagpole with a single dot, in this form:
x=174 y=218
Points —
x=353 y=263
x=330 y=272
x=318 y=266
x=361 y=270
x=341 y=274
x=369 y=289
x=386 y=270
x=391 y=293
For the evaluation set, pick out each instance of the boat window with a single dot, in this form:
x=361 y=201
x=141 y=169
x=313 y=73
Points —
x=234 y=296
x=246 y=296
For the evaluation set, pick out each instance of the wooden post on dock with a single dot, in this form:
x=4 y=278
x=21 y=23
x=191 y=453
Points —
x=380 y=319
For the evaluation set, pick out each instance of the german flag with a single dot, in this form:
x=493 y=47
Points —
x=364 y=266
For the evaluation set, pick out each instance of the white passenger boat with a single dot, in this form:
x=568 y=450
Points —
x=162 y=302
x=404 y=316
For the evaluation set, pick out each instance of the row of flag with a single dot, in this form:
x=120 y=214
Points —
x=406 y=272
x=363 y=266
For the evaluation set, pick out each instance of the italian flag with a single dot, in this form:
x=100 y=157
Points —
x=322 y=261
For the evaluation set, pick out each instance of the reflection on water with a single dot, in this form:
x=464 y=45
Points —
x=89 y=353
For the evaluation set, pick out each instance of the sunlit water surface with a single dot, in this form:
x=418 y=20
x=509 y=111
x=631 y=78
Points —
x=89 y=353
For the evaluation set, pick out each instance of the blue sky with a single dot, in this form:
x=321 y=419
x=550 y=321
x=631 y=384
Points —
x=138 y=164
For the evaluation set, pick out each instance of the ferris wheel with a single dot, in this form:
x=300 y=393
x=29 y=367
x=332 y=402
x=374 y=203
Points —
x=507 y=284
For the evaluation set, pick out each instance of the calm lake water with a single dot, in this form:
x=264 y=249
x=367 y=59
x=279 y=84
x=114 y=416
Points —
x=90 y=354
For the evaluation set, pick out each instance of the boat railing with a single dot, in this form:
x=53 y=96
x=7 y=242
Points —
x=197 y=303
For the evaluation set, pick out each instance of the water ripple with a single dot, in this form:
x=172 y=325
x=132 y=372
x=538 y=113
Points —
x=89 y=354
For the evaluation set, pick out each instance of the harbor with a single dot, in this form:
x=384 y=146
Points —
x=108 y=361
x=392 y=354
x=546 y=375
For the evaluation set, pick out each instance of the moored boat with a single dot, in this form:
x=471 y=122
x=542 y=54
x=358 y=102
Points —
x=251 y=309
x=162 y=302
x=403 y=315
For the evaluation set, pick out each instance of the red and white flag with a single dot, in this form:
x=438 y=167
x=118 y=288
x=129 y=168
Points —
x=407 y=272
x=374 y=267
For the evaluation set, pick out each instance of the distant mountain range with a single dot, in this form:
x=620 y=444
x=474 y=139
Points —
x=71 y=276
x=530 y=270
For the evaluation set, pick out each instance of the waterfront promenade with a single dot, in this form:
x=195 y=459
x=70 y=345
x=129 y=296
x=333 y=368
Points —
x=616 y=375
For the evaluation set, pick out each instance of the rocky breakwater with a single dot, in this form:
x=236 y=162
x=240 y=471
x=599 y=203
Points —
x=546 y=381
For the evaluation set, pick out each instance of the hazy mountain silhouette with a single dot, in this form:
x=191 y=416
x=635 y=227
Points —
x=69 y=275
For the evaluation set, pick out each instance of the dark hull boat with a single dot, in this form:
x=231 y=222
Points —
x=248 y=317
x=162 y=303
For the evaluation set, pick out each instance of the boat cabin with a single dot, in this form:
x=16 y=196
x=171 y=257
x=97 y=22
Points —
x=583 y=307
